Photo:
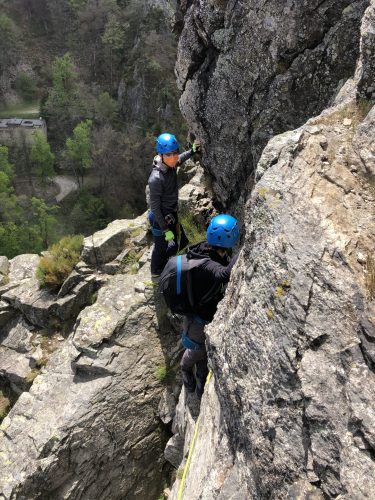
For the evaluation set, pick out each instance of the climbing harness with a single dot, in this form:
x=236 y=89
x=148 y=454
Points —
x=190 y=344
x=191 y=449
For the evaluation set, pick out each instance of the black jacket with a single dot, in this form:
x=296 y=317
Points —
x=163 y=189
x=212 y=275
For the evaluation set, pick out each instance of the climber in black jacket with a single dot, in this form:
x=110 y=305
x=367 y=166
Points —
x=164 y=199
x=208 y=281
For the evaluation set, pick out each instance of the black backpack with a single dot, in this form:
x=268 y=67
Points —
x=176 y=286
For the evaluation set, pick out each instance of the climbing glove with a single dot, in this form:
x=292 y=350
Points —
x=196 y=147
x=169 y=236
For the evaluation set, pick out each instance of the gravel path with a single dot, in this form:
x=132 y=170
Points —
x=66 y=185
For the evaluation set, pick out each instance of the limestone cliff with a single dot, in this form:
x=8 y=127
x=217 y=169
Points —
x=290 y=411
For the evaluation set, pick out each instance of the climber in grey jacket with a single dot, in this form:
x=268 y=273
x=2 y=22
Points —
x=164 y=199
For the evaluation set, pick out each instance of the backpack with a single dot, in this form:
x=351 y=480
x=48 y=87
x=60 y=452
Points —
x=176 y=287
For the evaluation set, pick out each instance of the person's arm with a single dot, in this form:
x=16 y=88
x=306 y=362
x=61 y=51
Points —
x=184 y=156
x=221 y=273
x=156 y=191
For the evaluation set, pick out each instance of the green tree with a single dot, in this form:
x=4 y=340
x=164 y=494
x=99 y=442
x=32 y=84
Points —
x=77 y=152
x=44 y=219
x=64 y=78
x=106 y=109
x=62 y=104
x=26 y=87
x=113 y=38
x=6 y=169
x=8 y=42
x=42 y=158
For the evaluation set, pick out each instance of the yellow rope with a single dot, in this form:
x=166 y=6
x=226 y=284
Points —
x=192 y=444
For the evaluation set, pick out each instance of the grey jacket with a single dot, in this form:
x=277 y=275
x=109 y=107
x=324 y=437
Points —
x=163 y=188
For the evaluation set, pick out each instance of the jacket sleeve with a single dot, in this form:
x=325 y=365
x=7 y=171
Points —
x=184 y=156
x=219 y=272
x=156 y=191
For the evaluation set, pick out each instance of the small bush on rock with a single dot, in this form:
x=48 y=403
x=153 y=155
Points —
x=59 y=262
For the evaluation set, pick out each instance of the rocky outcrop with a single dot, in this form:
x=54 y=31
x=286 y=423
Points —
x=91 y=414
x=291 y=346
x=250 y=70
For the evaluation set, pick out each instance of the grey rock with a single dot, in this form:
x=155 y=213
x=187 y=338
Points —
x=42 y=308
x=4 y=268
x=364 y=142
x=23 y=267
x=167 y=406
x=249 y=71
x=92 y=429
x=291 y=345
x=14 y=368
x=366 y=87
x=17 y=335
x=71 y=281
x=173 y=452
x=6 y=313
x=195 y=197
x=103 y=246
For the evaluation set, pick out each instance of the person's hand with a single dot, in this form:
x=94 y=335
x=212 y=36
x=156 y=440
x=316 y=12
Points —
x=169 y=236
x=196 y=147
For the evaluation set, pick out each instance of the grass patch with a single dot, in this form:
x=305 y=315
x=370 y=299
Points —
x=4 y=406
x=363 y=107
x=31 y=376
x=165 y=374
x=129 y=263
x=356 y=112
x=195 y=232
x=55 y=267
x=370 y=277
x=21 y=110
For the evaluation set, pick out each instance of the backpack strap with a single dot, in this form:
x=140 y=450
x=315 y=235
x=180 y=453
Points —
x=178 y=278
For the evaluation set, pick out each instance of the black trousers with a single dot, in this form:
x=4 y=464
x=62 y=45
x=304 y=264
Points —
x=163 y=250
x=190 y=358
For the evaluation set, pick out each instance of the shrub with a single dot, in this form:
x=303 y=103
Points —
x=56 y=266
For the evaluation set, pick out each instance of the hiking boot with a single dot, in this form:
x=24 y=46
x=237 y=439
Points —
x=189 y=381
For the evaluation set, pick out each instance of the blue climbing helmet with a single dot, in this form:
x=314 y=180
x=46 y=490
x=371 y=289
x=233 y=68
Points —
x=223 y=231
x=166 y=143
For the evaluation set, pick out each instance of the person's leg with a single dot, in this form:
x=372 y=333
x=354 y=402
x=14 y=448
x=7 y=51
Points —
x=201 y=375
x=187 y=366
x=159 y=255
x=190 y=358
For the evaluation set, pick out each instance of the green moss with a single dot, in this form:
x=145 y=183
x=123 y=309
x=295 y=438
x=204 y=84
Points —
x=165 y=374
x=179 y=473
x=270 y=313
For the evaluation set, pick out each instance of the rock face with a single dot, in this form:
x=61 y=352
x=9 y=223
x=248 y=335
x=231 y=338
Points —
x=250 y=70
x=291 y=346
x=91 y=415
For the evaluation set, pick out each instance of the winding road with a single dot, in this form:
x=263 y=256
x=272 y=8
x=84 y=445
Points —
x=66 y=184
